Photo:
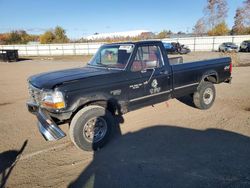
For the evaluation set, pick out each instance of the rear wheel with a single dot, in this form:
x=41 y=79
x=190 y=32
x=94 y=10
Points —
x=204 y=97
x=91 y=127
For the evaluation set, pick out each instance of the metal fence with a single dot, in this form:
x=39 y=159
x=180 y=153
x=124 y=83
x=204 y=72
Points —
x=208 y=43
x=194 y=43
x=55 y=49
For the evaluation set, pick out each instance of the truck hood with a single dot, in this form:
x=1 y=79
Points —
x=51 y=79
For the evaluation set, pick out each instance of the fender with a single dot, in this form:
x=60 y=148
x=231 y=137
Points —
x=208 y=73
x=88 y=98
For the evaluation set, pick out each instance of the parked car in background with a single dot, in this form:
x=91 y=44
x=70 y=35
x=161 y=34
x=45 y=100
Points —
x=245 y=46
x=228 y=47
x=176 y=48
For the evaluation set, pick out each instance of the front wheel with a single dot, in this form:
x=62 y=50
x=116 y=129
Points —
x=204 y=97
x=91 y=127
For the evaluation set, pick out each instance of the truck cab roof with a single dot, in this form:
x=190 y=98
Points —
x=144 y=42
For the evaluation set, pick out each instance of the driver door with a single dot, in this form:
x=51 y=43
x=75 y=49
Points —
x=154 y=77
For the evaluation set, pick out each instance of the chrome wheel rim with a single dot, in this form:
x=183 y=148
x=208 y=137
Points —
x=95 y=129
x=208 y=96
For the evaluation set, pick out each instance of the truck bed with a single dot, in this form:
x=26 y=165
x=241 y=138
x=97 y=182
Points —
x=188 y=75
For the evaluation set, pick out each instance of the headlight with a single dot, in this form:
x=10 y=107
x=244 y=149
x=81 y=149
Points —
x=53 y=99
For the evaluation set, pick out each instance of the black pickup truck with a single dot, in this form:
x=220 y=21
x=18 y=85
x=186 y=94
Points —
x=121 y=77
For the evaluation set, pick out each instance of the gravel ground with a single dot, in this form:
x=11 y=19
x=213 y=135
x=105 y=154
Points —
x=169 y=145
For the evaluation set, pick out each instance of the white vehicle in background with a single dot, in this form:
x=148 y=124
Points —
x=228 y=47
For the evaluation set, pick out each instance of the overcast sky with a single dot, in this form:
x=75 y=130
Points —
x=85 y=17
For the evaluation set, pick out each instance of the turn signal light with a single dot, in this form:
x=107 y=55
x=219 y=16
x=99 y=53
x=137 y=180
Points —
x=57 y=105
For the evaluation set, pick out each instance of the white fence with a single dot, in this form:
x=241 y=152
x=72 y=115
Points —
x=55 y=49
x=194 y=43
x=208 y=43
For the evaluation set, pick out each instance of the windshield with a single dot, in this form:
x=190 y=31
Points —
x=112 y=56
x=229 y=43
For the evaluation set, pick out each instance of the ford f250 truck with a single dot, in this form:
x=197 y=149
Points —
x=120 y=77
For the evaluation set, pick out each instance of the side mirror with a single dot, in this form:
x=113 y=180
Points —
x=151 y=64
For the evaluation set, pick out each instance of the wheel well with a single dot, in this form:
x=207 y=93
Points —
x=110 y=105
x=210 y=78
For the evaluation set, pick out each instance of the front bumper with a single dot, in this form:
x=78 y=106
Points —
x=47 y=127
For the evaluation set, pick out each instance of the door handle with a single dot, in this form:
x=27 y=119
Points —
x=164 y=72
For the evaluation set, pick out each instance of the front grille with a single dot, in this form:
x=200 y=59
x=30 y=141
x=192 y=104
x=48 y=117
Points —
x=35 y=94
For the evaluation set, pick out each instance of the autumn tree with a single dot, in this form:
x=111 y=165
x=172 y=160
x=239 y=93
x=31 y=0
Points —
x=242 y=19
x=25 y=37
x=238 y=27
x=199 y=28
x=60 y=35
x=247 y=12
x=17 y=37
x=13 y=38
x=163 y=34
x=57 y=35
x=47 y=38
x=215 y=14
x=146 y=35
x=3 y=38
x=219 y=30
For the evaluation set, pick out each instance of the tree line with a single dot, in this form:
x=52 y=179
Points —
x=17 y=37
x=213 y=23
x=56 y=35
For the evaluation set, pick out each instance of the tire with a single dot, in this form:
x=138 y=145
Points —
x=81 y=127
x=204 y=97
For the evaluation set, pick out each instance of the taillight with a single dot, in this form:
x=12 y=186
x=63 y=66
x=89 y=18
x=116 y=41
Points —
x=230 y=68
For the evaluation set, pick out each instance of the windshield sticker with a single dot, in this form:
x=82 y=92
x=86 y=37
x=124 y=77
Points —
x=128 y=48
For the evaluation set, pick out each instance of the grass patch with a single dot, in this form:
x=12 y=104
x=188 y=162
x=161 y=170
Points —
x=234 y=57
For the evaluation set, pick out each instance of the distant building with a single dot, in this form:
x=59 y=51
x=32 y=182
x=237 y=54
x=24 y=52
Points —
x=116 y=34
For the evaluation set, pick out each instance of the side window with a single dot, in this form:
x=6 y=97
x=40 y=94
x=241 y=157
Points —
x=147 y=57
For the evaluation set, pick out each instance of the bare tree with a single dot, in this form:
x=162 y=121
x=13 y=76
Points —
x=247 y=12
x=238 y=27
x=210 y=13
x=215 y=12
x=222 y=9
x=199 y=28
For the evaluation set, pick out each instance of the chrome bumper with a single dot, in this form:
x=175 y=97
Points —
x=47 y=127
